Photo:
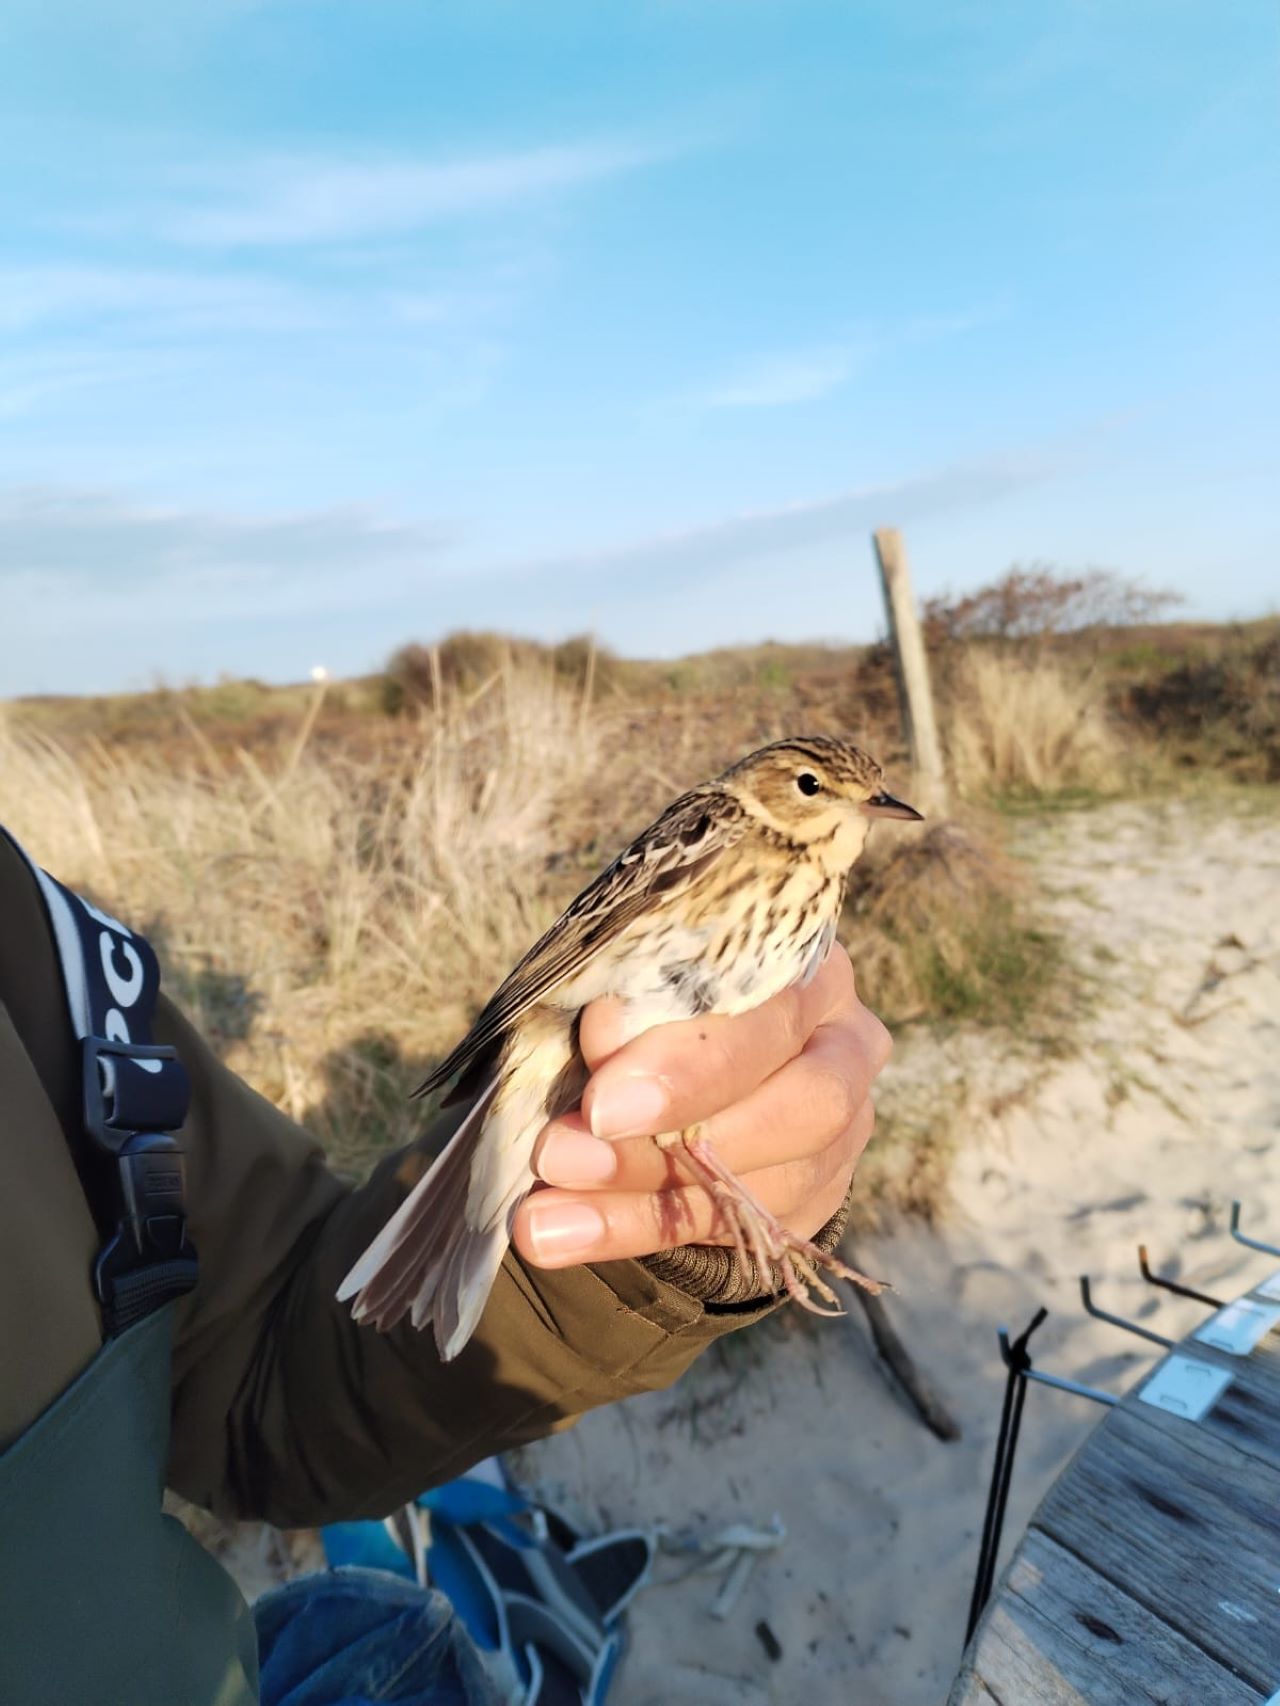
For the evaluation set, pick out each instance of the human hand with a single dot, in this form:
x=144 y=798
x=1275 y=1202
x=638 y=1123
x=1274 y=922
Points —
x=783 y=1092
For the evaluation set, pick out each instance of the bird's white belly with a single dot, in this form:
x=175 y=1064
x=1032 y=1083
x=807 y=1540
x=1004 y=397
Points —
x=670 y=976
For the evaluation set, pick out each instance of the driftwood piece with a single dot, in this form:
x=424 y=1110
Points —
x=915 y=1385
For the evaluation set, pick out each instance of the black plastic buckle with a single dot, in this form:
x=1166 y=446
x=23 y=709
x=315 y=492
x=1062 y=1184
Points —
x=149 y=1258
x=99 y=1055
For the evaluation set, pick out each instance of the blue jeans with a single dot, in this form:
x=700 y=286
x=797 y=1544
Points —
x=357 y=1637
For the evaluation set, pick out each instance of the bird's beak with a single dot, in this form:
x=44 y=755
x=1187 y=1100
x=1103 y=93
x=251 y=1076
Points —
x=884 y=805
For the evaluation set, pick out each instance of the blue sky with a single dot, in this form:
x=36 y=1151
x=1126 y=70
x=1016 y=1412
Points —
x=324 y=326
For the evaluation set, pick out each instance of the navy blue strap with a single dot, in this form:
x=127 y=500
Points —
x=136 y=1097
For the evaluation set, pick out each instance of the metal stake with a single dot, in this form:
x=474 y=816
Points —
x=1017 y=1360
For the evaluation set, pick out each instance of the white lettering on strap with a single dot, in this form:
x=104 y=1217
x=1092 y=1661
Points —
x=115 y=1027
x=123 y=990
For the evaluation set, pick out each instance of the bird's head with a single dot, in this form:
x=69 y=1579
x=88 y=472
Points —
x=818 y=791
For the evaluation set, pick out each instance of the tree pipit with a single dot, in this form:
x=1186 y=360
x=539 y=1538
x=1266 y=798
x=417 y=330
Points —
x=729 y=897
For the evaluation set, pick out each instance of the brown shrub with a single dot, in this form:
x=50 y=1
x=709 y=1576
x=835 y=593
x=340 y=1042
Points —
x=1221 y=710
x=469 y=662
x=1032 y=603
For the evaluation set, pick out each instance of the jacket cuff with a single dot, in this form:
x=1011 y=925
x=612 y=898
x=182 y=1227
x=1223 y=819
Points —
x=715 y=1277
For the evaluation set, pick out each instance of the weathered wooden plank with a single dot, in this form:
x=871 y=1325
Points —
x=1060 y=1632
x=1147 y=1659
x=1015 y=1663
x=1189 y=1526
x=969 y=1689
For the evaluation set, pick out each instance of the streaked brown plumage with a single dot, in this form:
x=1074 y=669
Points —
x=729 y=897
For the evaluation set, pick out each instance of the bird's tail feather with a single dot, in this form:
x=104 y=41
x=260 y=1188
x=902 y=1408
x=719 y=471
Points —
x=438 y=1256
x=427 y=1260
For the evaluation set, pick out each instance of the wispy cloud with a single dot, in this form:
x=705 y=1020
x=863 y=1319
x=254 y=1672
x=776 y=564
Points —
x=166 y=301
x=69 y=554
x=31 y=381
x=763 y=533
x=107 y=589
x=69 y=328
x=308 y=200
x=81 y=548
x=799 y=377
x=807 y=374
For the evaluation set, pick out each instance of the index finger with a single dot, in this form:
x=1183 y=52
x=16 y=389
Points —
x=675 y=1075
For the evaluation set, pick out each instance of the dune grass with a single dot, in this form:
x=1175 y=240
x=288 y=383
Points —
x=333 y=911
x=1019 y=726
x=331 y=920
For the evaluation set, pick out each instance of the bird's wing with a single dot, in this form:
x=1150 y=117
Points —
x=654 y=870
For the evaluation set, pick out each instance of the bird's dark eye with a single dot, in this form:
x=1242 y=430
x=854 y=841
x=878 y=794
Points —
x=808 y=783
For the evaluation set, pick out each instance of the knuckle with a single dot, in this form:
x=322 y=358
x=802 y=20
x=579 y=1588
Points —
x=834 y=1098
x=831 y=1165
x=867 y=1039
x=860 y=1133
x=880 y=1040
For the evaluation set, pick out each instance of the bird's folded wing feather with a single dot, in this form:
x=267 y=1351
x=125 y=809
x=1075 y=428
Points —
x=653 y=871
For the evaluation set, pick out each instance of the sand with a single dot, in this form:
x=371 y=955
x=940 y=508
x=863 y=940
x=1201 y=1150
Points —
x=1168 y=1108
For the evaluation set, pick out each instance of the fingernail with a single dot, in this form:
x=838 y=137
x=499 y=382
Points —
x=628 y=1107
x=560 y=1231
x=573 y=1158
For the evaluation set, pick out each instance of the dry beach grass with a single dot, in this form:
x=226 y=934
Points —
x=333 y=910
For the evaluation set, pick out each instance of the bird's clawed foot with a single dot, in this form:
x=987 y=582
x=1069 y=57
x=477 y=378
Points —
x=760 y=1236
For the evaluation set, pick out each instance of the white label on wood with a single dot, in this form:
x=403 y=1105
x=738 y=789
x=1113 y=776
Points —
x=1270 y=1288
x=1186 y=1387
x=1239 y=1327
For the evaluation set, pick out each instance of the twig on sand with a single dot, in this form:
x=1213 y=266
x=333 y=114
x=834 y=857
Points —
x=917 y=1386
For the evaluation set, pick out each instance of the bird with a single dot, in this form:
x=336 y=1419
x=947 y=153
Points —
x=730 y=896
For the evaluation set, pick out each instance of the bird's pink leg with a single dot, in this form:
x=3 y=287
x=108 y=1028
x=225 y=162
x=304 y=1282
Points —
x=753 y=1228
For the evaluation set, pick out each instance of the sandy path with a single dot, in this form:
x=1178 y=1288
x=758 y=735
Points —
x=1171 y=1108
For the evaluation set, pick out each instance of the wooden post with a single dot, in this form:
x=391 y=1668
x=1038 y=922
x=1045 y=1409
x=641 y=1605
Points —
x=912 y=667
